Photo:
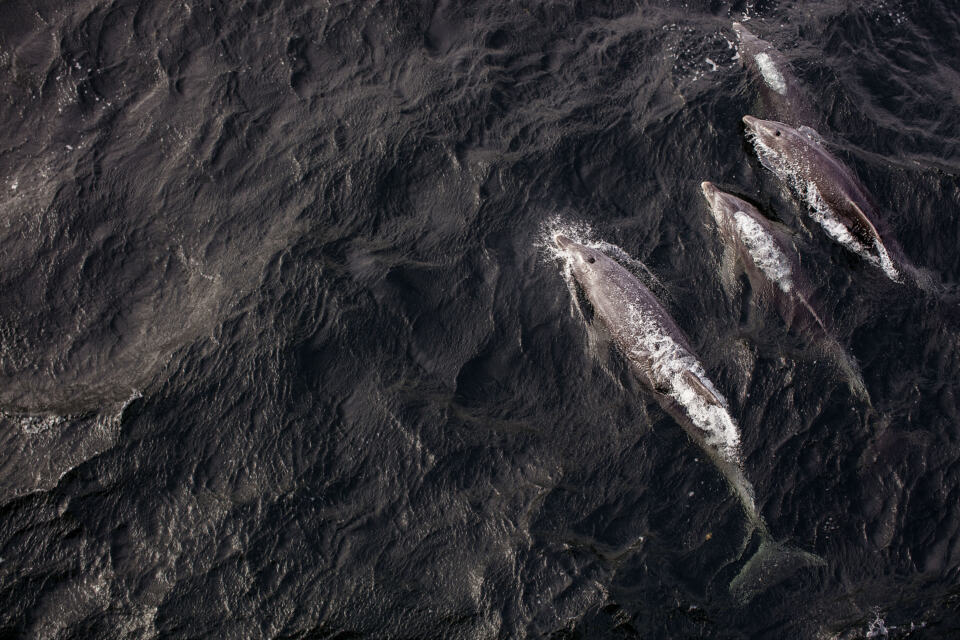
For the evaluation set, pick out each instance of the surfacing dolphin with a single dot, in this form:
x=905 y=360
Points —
x=782 y=94
x=836 y=199
x=772 y=264
x=661 y=355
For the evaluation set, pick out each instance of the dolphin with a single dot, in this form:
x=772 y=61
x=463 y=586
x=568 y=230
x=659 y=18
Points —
x=782 y=95
x=837 y=200
x=660 y=354
x=773 y=266
x=768 y=254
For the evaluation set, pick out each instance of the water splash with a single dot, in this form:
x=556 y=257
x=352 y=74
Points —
x=825 y=216
x=681 y=376
x=877 y=628
x=582 y=233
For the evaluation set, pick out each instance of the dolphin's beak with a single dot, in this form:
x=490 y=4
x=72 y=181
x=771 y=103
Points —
x=562 y=241
x=709 y=191
x=742 y=32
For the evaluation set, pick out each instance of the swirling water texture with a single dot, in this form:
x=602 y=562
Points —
x=280 y=356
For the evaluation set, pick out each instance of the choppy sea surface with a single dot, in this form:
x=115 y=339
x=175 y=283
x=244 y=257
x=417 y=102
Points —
x=284 y=353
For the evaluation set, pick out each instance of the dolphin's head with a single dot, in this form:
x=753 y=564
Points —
x=742 y=31
x=722 y=204
x=600 y=277
x=774 y=137
x=586 y=263
x=749 y=43
x=769 y=132
x=715 y=199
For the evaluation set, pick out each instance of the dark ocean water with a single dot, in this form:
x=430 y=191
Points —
x=282 y=355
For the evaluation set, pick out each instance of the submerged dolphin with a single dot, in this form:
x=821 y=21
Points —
x=767 y=252
x=771 y=262
x=783 y=95
x=660 y=354
x=836 y=198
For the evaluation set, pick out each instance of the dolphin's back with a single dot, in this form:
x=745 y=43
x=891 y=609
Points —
x=841 y=191
x=771 y=261
x=782 y=92
x=660 y=351
x=633 y=314
x=837 y=200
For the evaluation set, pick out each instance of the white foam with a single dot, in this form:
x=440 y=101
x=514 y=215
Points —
x=771 y=158
x=764 y=250
x=824 y=215
x=770 y=73
x=886 y=263
x=39 y=423
x=877 y=628
x=581 y=233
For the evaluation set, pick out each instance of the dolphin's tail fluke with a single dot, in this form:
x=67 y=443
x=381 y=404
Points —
x=772 y=563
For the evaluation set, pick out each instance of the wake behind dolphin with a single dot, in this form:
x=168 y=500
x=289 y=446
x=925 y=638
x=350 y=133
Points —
x=660 y=354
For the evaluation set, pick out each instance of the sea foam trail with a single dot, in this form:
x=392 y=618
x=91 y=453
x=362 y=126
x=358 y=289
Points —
x=672 y=368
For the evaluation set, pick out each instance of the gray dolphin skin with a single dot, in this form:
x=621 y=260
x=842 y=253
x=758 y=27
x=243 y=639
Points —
x=783 y=95
x=772 y=263
x=836 y=199
x=768 y=254
x=660 y=354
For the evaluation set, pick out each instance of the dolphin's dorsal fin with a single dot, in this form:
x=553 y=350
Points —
x=864 y=222
x=694 y=381
x=811 y=134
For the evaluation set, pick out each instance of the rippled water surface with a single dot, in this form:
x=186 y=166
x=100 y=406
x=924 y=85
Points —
x=284 y=351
